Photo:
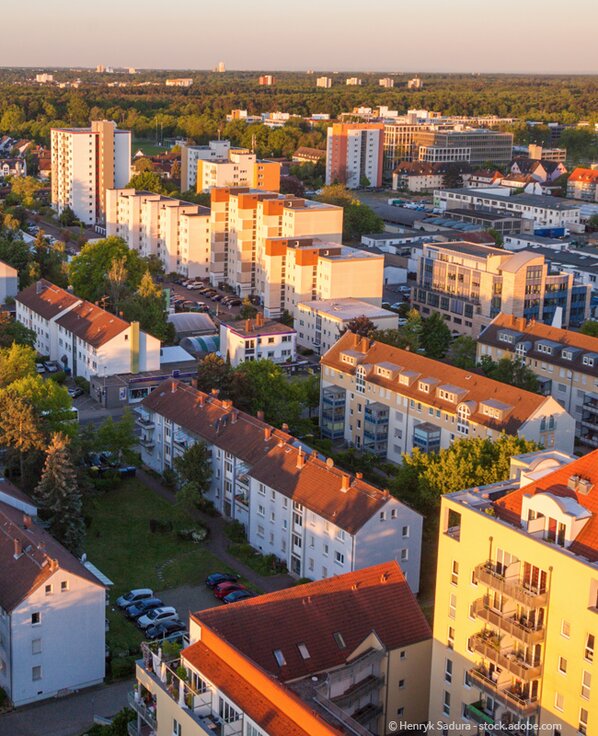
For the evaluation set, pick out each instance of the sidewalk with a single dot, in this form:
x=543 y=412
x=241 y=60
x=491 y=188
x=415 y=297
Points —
x=68 y=716
x=217 y=541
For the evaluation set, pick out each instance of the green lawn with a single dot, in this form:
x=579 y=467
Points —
x=120 y=543
x=149 y=148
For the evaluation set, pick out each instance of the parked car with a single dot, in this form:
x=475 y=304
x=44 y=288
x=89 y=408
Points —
x=403 y=321
x=225 y=588
x=156 y=616
x=51 y=366
x=193 y=286
x=396 y=305
x=217 y=298
x=166 y=629
x=144 y=606
x=220 y=577
x=236 y=302
x=238 y=595
x=40 y=367
x=75 y=392
x=134 y=596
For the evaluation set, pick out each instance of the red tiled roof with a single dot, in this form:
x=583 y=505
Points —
x=375 y=599
x=475 y=388
x=92 y=324
x=46 y=299
x=586 y=542
x=584 y=175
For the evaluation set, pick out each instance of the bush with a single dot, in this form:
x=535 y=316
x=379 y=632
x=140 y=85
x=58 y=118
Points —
x=169 y=478
x=59 y=377
x=302 y=581
x=122 y=667
x=82 y=383
x=197 y=535
x=207 y=507
x=160 y=527
x=262 y=564
x=235 y=531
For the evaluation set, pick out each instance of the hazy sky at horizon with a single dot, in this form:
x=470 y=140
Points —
x=544 y=36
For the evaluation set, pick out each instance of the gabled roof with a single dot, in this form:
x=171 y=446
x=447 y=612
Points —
x=39 y=557
x=92 y=324
x=580 y=174
x=46 y=299
x=324 y=616
x=475 y=387
x=585 y=544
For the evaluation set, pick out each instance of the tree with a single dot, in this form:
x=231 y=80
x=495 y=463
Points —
x=498 y=238
x=407 y=337
x=435 y=336
x=16 y=362
x=142 y=164
x=248 y=310
x=67 y=217
x=265 y=388
x=58 y=497
x=51 y=261
x=462 y=352
x=148 y=181
x=24 y=188
x=118 y=438
x=19 y=426
x=148 y=307
x=592 y=224
x=590 y=327
x=512 y=371
x=77 y=110
x=12 y=331
x=214 y=372
x=18 y=255
x=50 y=402
x=194 y=473
x=358 y=218
x=361 y=325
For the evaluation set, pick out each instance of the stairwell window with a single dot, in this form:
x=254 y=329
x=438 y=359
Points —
x=455 y=573
x=448 y=671
x=589 y=651
x=583 y=722
x=586 y=682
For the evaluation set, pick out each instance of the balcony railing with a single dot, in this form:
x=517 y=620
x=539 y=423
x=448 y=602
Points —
x=591 y=441
x=145 y=422
x=515 y=589
x=148 y=714
x=478 y=714
x=357 y=690
x=507 y=660
x=517 y=628
x=147 y=442
x=524 y=704
x=350 y=725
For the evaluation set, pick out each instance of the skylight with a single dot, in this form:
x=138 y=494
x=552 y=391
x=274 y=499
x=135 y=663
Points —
x=303 y=650
x=279 y=656
x=340 y=642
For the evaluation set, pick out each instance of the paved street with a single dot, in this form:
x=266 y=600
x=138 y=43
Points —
x=68 y=716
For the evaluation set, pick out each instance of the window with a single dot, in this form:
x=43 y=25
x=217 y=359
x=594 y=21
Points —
x=448 y=670
x=36 y=618
x=583 y=721
x=450 y=638
x=455 y=573
x=226 y=712
x=303 y=650
x=403 y=654
x=339 y=558
x=589 y=652
x=279 y=657
x=559 y=701
x=338 y=638
x=382 y=516
x=446 y=703
x=36 y=646
x=562 y=665
x=36 y=673
x=404 y=554
x=326 y=550
x=64 y=586
x=401 y=684
x=405 y=532
x=48 y=590
x=565 y=629
x=586 y=681
x=452 y=606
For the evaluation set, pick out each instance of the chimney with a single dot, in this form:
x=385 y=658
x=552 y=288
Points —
x=260 y=415
x=365 y=344
x=355 y=339
x=194 y=383
x=300 y=459
x=173 y=387
x=227 y=404
x=18 y=548
x=26 y=521
x=384 y=577
x=267 y=433
x=234 y=416
x=345 y=482
x=359 y=476
x=248 y=325
x=285 y=427
x=201 y=400
x=214 y=392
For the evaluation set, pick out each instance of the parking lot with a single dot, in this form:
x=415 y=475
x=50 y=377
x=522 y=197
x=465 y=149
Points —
x=222 y=312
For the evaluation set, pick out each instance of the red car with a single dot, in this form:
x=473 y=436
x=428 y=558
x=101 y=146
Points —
x=225 y=588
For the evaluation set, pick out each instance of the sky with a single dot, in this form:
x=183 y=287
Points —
x=541 y=36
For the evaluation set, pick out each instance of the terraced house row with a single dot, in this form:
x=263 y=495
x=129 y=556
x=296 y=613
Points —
x=293 y=503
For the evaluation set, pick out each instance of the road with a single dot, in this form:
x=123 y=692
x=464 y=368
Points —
x=56 y=231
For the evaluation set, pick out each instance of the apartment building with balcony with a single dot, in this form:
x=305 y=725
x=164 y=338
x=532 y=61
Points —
x=325 y=82
x=387 y=401
x=52 y=609
x=243 y=219
x=192 y=155
x=175 y=231
x=470 y=284
x=9 y=282
x=293 y=503
x=565 y=362
x=515 y=622
x=258 y=339
x=354 y=153
x=337 y=656
x=240 y=168
x=583 y=184
x=83 y=338
x=85 y=163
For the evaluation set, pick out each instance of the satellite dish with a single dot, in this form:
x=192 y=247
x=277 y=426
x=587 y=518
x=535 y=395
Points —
x=330 y=462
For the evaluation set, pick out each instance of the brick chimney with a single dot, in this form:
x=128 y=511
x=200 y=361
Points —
x=300 y=459
x=267 y=433
x=345 y=483
x=26 y=521
x=260 y=415
x=234 y=416
x=259 y=319
x=18 y=548
x=285 y=427
x=248 y=325
x=227 y=404
x=173 y=387
x=365 y=344
x=215 y=392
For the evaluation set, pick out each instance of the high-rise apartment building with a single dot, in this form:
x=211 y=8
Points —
x=176 y=231
x=240 y=168
x=387 y=82
x=267 y=80
x=325 y=82
x=515 y=617
x=415 y=83
x=353 y=82
x=241 y=221
x=85 y=163
x=470 y=284
x=191 y=155
x=387 y=401
x=354 y=154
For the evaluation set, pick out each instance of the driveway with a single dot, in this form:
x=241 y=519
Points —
x=189 y=599
x=68 y=716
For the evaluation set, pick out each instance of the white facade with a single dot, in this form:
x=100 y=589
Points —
x=9 y=282
x=177 y=232
x=272 y=341
x=363 y=156
x=325 y=82
x=190 y=155
x=320 y=323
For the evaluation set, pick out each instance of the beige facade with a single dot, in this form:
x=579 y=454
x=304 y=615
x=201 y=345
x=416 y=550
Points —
x=177 y=232
x=240 y=169
x=515 y=621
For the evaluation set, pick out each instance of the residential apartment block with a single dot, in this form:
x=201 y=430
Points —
x=344 y=655
x=243 y=219
x=354 y=153
x=52 y=609
x=515 y=624
x=258 y=339
x=470 y=284
x=565 y=362
x=191 y=155
x=583 y=184
x=86 y=162
x=320 y=322
x=387 y=401
x=544 y=211
x=325 y=82
x=267 y=80
x=175 y=231
x=80 y=336
x=9 y=282
x=293 y=504
x=387 y=82
x=240 y=168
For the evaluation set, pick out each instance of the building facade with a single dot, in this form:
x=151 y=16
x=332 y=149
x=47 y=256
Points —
x=9 y=282
x=175 y=231
x=583 y=184
x=293 y=504
x=241 y=168
x=511 y=645
x=85 y=163
x=387 y=401
x=191 y=155
x=354 y=154
x=258 y=339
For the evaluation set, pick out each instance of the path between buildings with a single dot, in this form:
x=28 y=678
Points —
x=217 y=542
x=68 y=716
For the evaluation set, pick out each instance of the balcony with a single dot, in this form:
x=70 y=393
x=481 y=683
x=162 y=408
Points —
x=488 y=646
x=476 y=711
x=591 y=440
x=358 y=690
x=515 y=627
x=508 y=696
x=145 y=422
x=147 y=713
x=487 y=574
x=366 y=713
x=147 y=443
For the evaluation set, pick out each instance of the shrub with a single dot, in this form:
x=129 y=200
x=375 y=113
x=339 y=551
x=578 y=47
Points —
x=207 y=507
x=82 y=383
x=169 y=478
x=235 y=531
x=160 y=527
x=197 y=535
x=59 y=377
x=122 y=667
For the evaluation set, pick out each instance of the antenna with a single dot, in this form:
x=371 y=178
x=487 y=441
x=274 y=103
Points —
x=253 y=143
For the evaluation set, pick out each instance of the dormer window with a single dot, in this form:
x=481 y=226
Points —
x=567 y=355
x=505 y=337
x=520 y=349
x=543 y=348
x=425 y=387
x=588 y=360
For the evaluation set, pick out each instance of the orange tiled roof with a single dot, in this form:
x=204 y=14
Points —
x=375 y=599
x=46 y=299
x=474 y=387
x=584 y=175
x=92 y=324
x=586 y=543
